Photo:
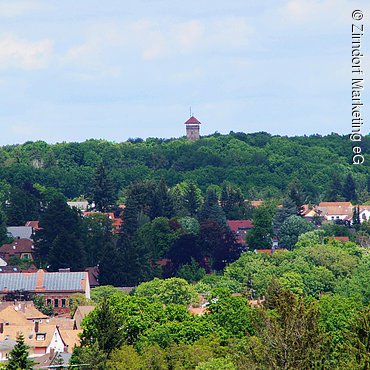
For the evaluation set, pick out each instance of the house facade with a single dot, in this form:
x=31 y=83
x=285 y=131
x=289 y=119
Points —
x=57 y=288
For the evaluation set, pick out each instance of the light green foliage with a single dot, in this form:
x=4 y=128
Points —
x=99 y=293
x=190 y=225
x=233 y=315
x=125 y=358
x=310 y=238
x=292 y=281
x=216 y=364
x=210 y=282
x=173 y=290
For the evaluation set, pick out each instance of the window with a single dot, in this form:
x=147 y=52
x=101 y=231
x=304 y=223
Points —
x=40 y=336
x=56 y=303
x=48 y=302
x=63 y=302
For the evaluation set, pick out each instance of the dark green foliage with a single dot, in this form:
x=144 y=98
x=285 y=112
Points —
x=211 y=210
x=289 y=209
x=349 y=189
x=291 y=229
x=99 y=237
x=103 y=192
x=3 y=232
x=104 y=328
x=23 y=205
x=233 y=203
x=297 y=195
x=335 y=189
x=18 y=357
x=191 y=272
x=161 y=203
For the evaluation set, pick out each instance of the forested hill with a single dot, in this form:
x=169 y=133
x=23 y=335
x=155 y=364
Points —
x=260 y=164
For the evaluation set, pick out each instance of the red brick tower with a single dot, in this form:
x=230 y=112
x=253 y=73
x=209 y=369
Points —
x=192 y=128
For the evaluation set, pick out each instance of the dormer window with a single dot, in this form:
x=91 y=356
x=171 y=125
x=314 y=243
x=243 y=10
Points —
x=40 y=336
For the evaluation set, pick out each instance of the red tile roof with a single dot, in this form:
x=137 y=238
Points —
x=17 y=247
x=236 y=225
x=192 y=121
x=33 y=224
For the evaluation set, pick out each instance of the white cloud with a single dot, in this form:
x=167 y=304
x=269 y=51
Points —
x=13 y=8
x=24 y=54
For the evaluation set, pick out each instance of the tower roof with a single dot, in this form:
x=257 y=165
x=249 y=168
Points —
x=192 y=121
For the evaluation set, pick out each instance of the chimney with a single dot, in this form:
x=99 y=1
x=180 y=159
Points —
x=1 y=327
x=40 y=274
x=36 y=326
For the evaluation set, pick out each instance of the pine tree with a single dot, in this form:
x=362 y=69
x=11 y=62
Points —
x=356 y=216
x=211 y=209
x=161 y=204
x=3 y=232
x=103 y=192
x=335 y=189
x=192 y=198
x=289 y=209
x=18 y=357
x=349 y=189
x=59 y=221
x=297 y=195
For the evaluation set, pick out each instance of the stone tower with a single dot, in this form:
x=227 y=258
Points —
x=192 y=128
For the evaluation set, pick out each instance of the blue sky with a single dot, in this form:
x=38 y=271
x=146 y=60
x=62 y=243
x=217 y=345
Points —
x=72 y=70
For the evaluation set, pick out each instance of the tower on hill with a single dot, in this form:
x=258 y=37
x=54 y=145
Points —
x=192 y=128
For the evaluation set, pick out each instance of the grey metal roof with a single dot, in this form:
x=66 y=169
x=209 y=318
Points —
x=53 y=281
x=22 y=232
x=64 y=280
x=7 y=344
x=17 y=281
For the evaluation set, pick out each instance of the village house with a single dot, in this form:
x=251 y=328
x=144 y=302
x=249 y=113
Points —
x=57 y=288
x=40 y=334
x=240 y=228
x=335 y=211
x=22 y=249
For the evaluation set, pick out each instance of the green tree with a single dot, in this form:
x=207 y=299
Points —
x=297 y=195
x=18 y=356
x=216 y=364
x=173 y=290
x=98 y=237
x=104 y=327
x=103 y=192
x=3 y=232
x=289 y=209
x=125 y=358
x=39 y=302
x=335 y=189
x=291 y=337
x=211 y=209
x=260 y=236
x=191 y=272
x=291 y=229
x=349 y=189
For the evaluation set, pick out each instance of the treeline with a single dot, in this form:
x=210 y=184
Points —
x=313 y=313
x=260 y=164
